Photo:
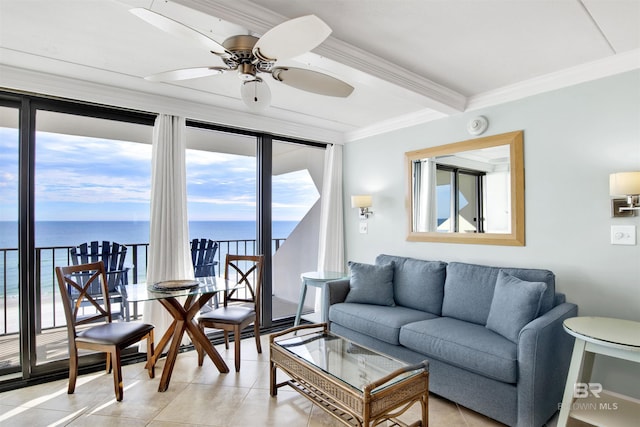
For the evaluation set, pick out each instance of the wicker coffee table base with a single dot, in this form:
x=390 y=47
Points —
x=351 y=406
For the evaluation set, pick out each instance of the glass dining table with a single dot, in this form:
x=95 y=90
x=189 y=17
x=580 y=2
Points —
x=183 y=300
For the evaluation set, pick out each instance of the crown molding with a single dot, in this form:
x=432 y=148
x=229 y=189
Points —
x=595 y=70
x=396 y=123
x=19 y=79
x=259 y=19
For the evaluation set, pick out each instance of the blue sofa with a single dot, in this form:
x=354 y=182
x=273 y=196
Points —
x=493 y=336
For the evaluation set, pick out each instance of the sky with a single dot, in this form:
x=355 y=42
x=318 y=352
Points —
x=80 y=178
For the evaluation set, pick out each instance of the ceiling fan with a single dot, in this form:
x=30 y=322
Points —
x=251 y=56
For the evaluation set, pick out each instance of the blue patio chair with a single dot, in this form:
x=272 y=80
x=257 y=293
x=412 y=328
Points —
x=112 y=255
x=203 y=252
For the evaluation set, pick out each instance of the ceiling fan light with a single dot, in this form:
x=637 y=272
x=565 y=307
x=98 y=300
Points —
x=255 y=94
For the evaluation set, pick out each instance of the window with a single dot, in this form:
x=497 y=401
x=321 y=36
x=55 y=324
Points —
x=70 y=173
x=73 y=173
x=9 y=273
x=92 y=183
x=459 y=200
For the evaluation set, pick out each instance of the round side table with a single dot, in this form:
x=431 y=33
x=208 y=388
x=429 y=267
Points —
x=587 y=401
x=317 y=279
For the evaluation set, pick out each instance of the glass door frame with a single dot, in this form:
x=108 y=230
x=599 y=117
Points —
x=264 y=170
x=17 y=103
x=28 y=106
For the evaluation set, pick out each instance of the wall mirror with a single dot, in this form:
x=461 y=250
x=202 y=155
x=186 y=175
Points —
x=468 y=192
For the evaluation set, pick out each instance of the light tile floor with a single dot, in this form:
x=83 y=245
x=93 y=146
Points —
x=197 y=396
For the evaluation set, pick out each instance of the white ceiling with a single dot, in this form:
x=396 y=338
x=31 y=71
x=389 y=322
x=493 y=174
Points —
x=409 y=60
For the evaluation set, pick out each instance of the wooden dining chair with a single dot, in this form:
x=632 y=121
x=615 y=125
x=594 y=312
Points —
x=85 y=310
x=241 y=306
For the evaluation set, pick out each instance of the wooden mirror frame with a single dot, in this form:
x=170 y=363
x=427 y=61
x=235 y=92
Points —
x=515 y=141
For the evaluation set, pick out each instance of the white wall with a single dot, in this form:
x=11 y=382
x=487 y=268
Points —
x=573 y=139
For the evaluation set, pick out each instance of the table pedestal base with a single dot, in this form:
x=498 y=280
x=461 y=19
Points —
x=183 y=315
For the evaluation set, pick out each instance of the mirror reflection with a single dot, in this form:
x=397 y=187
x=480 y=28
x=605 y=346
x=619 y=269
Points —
x=464 y=192
x=468 y=192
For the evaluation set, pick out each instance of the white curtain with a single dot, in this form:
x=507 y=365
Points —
x=425 y=196
x=331 y=241
x=169 y=255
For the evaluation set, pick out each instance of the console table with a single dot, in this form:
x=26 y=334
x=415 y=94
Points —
x=586 y=401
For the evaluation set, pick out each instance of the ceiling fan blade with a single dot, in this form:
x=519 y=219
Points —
x=312 y=81
x=178 y=29
x=291 y=38
x=186 y=74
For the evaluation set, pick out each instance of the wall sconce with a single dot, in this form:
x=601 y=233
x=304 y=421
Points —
x=625 y=184
x=363 y=202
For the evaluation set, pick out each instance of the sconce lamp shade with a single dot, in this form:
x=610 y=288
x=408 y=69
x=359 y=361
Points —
x=624 y=184
x=361 y=201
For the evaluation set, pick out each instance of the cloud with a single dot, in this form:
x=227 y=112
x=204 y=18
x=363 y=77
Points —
x=93 y=175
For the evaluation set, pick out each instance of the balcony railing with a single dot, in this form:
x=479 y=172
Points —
x=48 y=309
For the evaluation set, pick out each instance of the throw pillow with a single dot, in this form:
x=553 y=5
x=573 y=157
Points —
x=515 y=303
x=371 y=284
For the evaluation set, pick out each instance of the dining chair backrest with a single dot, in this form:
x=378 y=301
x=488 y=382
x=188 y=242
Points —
x=83 y=278
x=246 y=272
x=203 y=252
x=243 y=274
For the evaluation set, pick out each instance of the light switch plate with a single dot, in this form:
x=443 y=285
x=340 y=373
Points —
x=623 y=234
x=364 y=227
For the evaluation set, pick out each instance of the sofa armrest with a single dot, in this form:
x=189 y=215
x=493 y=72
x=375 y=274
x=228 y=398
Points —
x=560 y=299
x=337 y=291
x=544 y=354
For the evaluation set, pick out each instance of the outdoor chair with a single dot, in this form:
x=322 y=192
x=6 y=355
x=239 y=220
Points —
x=112 y=255
x=203 y=252
x=108 y=337
x=241 y=306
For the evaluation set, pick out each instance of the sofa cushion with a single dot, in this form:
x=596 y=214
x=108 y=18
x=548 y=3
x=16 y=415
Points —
x=371 y=284
x=515 y=303
x=416 y=283
x=538 y=275
x=465 y=345
x=377 y=321
x=468 y=289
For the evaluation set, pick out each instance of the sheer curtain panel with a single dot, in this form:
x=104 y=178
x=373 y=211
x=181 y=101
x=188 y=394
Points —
x=169 y=255
x=331 y=241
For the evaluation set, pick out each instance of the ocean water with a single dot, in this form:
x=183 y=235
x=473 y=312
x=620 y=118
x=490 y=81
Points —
x=70 y=233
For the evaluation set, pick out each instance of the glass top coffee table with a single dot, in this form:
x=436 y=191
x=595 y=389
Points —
x=354 y=384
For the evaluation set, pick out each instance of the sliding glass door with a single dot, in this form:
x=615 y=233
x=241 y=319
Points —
x=92 y=183
x=221 y=190
x=73 y=173
x=10 y=360
x=297 y=176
